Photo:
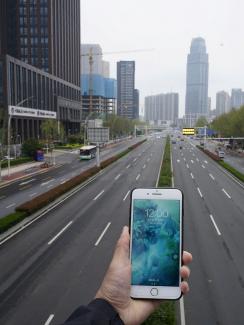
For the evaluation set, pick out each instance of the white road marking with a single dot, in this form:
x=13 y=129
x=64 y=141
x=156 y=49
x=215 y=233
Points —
x=212 y=177
x=117 y=177
x=205 y=161
x=215 y=225
x=192 y=161
x=50 y=186
x=184 y=159
x=126 y=195
x=33 y=194
x=148 y=159
x=102 y=234
x=60 y=233
x=227 y=194
x=151 y=154
x=182 y=312
x=203 y=166
x=187 y=165
x=197 y=160
x=178 y=160
x=127 y=166
x=10 y=206
x=50 y=318
x=64 y=181
x=135 y=160
x=98 y=195
x=137 y=177
x=144 y=166
x=192 y=176
x=200 y=193
x=27 y=182
x=45 y=183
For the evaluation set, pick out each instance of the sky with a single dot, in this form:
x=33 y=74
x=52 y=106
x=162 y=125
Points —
x=165 y=29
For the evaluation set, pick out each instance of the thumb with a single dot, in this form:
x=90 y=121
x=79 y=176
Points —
x=122 y=249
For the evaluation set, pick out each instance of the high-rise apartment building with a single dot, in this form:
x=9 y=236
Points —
x=237 y=98
x=196 y=103
x=222 y=102
x=40 y=62
x=162 y=108
x=126 y=105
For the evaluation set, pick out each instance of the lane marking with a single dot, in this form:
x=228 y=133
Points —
x=205 y=161
x=192 y=161
x=117 y=177
x=126 y=195
x=64 y=180
x=200 y=193
x=178 y=160
x=227 y=194
x=215 y=225
x=45 y=183
x=197 y=160
x=148 y=159
x=212 y=177
x=127 y=166
x=50 y=318
x=184 y=159
x=27 y=182
x=11 y=205
x=192 y=176
x=50 y=186
x=135 y=160
x=137 y=177
x=24 y=187
x=32 y=194
x=182 y=312
x=144 y=166
x=60 y=233
x=203 y=166
x=102 y=234
x=98 y=195
x=187 y=165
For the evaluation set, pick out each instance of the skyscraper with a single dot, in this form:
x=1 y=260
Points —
x=196 y=103
x=125 y=89
x=222 y=102
x=237 y=98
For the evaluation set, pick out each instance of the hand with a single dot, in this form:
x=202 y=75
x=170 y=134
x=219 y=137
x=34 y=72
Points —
x=115 y=287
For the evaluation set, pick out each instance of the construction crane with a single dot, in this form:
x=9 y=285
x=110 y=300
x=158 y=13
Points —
x=91 y=61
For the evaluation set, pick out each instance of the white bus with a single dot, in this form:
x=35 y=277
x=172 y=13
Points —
x=87 y=152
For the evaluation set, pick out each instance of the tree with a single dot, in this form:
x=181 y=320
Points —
x=51 y=130
x=202 y=121
x=30 y=147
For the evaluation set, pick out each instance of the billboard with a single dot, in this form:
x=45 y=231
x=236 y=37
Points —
x=98 y=135
x=31 y=112
x=188 y=131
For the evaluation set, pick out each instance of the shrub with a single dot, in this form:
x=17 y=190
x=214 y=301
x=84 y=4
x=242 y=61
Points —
x=11 y=220
x=30 y=147
x=15 y=162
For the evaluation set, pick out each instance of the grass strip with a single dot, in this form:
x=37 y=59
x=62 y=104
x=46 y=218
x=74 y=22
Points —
x=40 y=201
x=166 y=313
x=15 y=162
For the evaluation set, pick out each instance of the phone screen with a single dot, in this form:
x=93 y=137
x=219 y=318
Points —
x=155 y=242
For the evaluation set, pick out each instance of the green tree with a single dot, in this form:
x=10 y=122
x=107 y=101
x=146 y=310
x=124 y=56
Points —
x=30 y=147
x=202 y=121
x=51 y=130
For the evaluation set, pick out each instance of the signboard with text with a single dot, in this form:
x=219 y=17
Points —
x=188 y=131
x=31 y=112
x=98 y=135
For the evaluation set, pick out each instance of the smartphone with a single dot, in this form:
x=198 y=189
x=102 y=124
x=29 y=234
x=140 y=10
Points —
x=156 y=223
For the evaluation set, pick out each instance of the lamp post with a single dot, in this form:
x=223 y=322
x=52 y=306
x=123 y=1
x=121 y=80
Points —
x=9 y=126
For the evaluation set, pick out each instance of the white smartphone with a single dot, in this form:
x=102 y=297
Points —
x=156 y=243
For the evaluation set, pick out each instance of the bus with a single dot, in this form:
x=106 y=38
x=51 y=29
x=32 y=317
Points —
x=87 y=152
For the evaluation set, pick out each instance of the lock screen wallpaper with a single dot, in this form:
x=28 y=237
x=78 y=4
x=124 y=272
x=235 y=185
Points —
x=155 y=242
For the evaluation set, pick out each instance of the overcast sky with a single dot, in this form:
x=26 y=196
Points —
x=168 y=27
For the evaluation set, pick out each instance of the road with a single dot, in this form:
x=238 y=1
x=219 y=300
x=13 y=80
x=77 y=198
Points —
x=21 y=191
x=214 y=223
x=58 y=262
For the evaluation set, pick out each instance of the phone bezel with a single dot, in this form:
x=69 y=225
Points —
x=163 y=292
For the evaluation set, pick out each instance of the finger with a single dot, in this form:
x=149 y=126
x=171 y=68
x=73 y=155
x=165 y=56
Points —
x=185 y=272
x=187 y=257
x=123 y=245
x=184 y=287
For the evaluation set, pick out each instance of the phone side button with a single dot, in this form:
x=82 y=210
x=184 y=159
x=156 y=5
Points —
x=154 y=292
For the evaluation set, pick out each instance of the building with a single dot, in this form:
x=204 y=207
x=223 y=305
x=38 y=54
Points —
x=223 y=103
x=237 y=98
x=97 y=89
x=162 y=108
x=136 y=103
x=196 y=103
x=126 y=106
x=40 y=55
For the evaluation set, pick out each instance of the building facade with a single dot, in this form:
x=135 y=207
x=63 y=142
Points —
x=126 y=106
x=223 y=103
x=196 y=103
x=40 y=55
x=237 y=98
x=162 y=108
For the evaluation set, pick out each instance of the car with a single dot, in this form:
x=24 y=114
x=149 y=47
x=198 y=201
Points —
x=221 y=154
x=173 y=142
x=180 y=147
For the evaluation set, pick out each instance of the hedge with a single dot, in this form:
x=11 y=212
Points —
x=15 y=162
x=27 y=208
x=165 y=314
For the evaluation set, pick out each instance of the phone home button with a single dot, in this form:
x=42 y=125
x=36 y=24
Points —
x=154 y=291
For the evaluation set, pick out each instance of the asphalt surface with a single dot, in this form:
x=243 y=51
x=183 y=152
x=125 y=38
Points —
x=23 y=190
x=214 y=223
x=58 y=262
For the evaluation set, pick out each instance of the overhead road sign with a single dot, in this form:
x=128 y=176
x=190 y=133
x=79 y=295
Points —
x=188 y=131
x=98 y=135
x=31 y=112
